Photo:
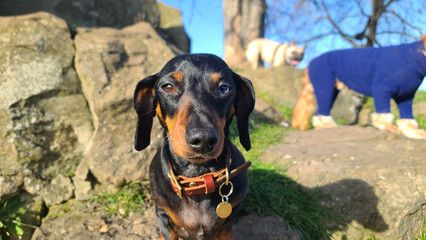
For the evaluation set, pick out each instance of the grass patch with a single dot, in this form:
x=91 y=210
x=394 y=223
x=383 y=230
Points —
x=422 y=233
x=287 y=111
x=10 y=222
x=261 y=137
x=237 y=70
x=134 y=197
x=419 y=97
x=272 y=193
x=421 y=121
x=265 y=96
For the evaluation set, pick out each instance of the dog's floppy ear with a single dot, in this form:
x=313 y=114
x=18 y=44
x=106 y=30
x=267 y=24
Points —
x=143 y=101
x=244 y=105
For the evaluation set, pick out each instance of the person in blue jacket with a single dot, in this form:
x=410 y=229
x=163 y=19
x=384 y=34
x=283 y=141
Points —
x=387 y=72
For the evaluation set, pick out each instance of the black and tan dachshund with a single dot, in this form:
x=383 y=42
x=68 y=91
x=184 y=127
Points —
x=198 y=177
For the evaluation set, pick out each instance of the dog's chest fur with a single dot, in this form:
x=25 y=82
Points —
x=199 y=218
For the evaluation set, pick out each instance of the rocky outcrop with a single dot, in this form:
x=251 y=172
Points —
x=164 y=19
x=95 y=13
x=66 y=108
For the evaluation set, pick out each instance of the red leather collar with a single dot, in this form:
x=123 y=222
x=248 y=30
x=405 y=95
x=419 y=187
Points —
x=206 y=183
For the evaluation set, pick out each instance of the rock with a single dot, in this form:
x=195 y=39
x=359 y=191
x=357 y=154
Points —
x=81 y=13
x=82 y=189
x=44 y=64
x=375 y=179
x=33 y=185
x=44 y=119
x=265 y=112
x=58 y=191
x=347 y=107
x=36 y=209
x=10 y=185
x=279 y=85
x=110 y=13
x=171 y=28
x=109 y=63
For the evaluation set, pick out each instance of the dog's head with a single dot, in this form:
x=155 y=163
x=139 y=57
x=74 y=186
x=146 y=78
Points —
x=195 y=97
x=294 y=54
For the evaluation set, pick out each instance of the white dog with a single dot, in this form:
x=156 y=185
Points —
x=262 y=50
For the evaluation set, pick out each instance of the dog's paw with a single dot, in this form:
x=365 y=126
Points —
x=321 y=121
x=383 y=121
x=410 y=128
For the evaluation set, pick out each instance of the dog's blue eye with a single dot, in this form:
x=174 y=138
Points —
x=168 y=87
x=223 y=89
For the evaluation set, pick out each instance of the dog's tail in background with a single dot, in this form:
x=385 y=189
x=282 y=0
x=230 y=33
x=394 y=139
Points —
x=305 y=105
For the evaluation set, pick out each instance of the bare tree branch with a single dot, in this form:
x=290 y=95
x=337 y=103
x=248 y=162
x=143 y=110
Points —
x=357 y=22
x=335 y=26
x=316 y=37
x=396 y=33
x=361 y=9
x=405 y=23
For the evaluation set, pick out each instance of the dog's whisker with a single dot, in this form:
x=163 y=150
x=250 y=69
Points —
x=162 y=141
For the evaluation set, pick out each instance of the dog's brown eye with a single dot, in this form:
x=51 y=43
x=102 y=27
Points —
x=223 y=89
x=168 y=87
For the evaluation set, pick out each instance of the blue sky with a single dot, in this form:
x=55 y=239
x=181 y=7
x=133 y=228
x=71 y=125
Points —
x=203 y=22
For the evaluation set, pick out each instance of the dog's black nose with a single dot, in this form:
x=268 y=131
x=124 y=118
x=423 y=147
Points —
x=202 y=140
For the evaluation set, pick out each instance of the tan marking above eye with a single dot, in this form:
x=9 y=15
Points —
x=215 y=76
x=177 y=76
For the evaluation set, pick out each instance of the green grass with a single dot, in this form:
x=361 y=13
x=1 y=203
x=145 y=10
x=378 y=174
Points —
x=422 y=233
x=10 y=222
x=287 y=111
x=419 y=97
x=273 y=193
x=421 y=121
x=134 y=197
x=262 y=136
